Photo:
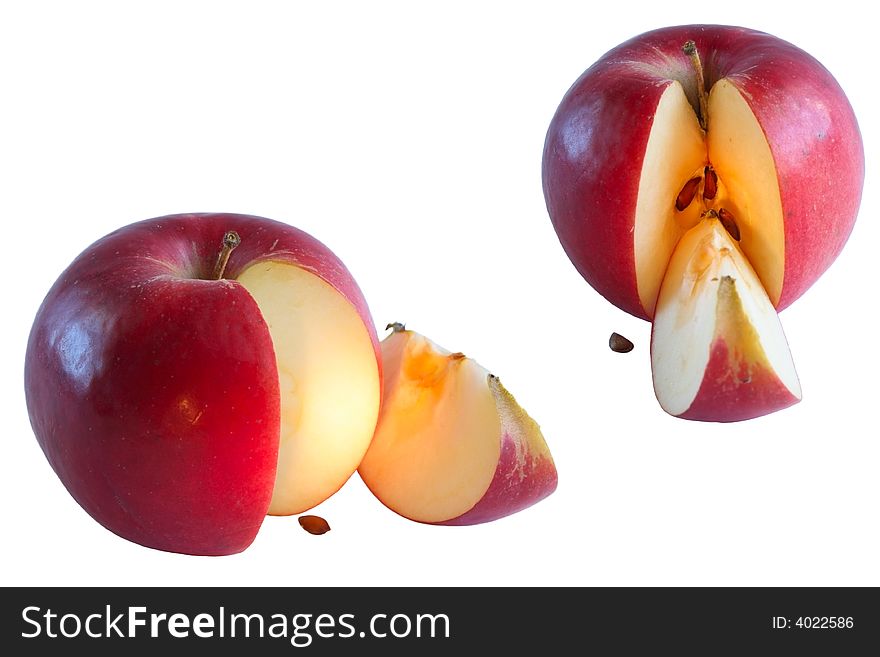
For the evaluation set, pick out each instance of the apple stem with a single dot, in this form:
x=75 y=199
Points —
x=396 y=327
x=690 y=49
x=230 y=241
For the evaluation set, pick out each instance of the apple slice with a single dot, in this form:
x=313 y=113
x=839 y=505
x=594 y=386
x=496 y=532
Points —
x=452 y=446
x=718 y=352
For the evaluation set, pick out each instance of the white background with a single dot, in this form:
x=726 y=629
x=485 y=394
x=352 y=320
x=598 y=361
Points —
x=408 y=138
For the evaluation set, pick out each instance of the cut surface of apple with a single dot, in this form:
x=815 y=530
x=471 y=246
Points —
x=735 y=152
x=717 y=347
x=328 y=382
x=658 y=224
x=718 y=351
x=452 y=446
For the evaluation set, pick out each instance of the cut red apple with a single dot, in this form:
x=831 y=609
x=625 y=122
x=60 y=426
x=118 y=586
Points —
x=181 y=390
x=717 y=347
x=452 y=446
x=648 y=143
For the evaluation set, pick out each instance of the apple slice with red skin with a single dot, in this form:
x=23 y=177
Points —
x=685 y=120
x=717 y=347
x=452 y=446
x=180 y=394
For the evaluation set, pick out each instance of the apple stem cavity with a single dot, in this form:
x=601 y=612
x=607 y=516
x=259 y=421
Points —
x=690 y=49
x=230 y=241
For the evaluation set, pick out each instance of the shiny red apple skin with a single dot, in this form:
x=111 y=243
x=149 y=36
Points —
x=154 y=392
x=596 y=143
x=518 y=484
x=735 y=392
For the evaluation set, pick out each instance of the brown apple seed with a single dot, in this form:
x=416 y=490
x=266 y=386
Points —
x=687 y=193
x=710 y=187
x=729 y=223
x=314 y=524
x=619 y=343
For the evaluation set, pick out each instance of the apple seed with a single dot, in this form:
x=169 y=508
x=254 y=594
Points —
x=729 y=223
x=314 y=524
x=687 y=193
x=710 y=187
x=619 y=343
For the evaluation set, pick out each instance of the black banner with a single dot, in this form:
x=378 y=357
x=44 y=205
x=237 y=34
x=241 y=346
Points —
x=278 y=621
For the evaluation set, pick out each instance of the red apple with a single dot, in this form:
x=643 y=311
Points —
x=181 y=390
x=685 y=129
x=452 y=446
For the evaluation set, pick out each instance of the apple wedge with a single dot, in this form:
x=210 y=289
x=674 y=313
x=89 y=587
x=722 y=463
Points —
x=452 y=446
x=717 y=347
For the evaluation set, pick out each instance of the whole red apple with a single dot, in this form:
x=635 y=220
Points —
x=703 y=177
x=188 y=374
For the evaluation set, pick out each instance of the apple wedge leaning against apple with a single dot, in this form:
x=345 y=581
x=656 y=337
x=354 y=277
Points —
x=452 y=446
x=704 y=177
x=188 y=374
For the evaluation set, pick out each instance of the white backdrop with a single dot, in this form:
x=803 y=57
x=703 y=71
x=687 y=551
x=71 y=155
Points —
x=408 y=138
